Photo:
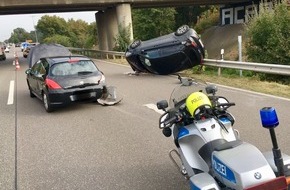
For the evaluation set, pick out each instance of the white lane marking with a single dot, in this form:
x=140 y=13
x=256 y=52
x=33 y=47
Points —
x=11 y=93
x=154 y=107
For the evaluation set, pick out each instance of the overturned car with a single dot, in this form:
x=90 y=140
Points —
x=166 y=54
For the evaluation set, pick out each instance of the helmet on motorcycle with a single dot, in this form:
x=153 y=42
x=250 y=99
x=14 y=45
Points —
x=196 y=101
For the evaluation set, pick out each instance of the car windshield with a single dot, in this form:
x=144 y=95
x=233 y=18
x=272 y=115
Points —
x=73 y=68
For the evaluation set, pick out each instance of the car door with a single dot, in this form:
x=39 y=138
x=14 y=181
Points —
x=37 y=77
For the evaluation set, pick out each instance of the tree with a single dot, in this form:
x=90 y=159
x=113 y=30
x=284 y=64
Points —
x=59 y=39
x=92 y=39
x=123 y=38
x=188 y=15
x=52 y=25
x=19 y=35
x=78 y=32
x=151 y=23
x=268 y=36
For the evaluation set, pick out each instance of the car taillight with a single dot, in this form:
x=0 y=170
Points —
x=51 y=84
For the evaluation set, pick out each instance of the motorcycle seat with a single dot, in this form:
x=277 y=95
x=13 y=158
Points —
x=206 y=150
x=228 y=145
x=216 y=145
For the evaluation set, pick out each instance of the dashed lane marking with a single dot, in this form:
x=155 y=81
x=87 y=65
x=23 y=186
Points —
x=11 y=93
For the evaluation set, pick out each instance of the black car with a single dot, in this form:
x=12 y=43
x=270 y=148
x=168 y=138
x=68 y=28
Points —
x=166 y=54
x=61 y=80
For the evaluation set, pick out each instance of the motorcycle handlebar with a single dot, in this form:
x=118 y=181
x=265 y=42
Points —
x=170 y=121
x=226 y=105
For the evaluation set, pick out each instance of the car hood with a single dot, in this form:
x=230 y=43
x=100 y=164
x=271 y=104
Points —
x=46 y=50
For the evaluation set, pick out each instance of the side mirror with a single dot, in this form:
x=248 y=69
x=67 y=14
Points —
x=211 y=89
x=162 y=105
x=222 y=100
x=28 y=71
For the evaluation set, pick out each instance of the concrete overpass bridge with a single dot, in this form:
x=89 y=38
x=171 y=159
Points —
x=109 y=13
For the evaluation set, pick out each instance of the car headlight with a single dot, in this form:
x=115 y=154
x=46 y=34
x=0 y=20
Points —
x=103 y=80
x=127 y=54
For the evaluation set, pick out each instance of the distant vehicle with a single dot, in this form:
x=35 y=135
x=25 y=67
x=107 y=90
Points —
x=7 y=49
x=166 y=54
x=2 y=53
x=23 y=45
x=28 y=48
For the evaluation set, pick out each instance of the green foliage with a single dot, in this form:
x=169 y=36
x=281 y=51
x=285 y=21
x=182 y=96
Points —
x=19 y=35
x=268 y=35
x=92 y=33
x=74 y=33
x=207 y=19
x=154 y=22
x=59 y=39
x=188 y=15
x=122 y=40
x=52 y=25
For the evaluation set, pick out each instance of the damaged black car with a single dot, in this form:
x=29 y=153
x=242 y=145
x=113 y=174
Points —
x=167 y=54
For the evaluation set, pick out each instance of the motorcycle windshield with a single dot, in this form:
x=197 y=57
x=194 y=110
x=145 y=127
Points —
x=181 y=92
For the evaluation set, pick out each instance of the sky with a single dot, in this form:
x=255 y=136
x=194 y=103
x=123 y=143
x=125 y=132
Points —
x=10 y=22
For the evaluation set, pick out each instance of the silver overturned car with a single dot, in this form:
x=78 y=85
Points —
x=166 y=54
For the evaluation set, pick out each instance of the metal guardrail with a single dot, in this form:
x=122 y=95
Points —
x=98 y=54
x=249 y=66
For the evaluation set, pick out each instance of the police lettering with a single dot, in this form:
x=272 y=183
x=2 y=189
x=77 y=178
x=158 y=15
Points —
x=196 y=99
x=220 y=168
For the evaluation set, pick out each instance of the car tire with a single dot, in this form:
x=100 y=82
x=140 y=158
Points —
x=31 y=94
x=46 y=103
x=182 y=30
x=135 y=44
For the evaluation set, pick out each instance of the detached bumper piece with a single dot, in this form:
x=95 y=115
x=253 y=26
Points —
x=109 y=97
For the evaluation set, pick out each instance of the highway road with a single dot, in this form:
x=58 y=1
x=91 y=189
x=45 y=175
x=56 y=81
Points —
x=89 y=146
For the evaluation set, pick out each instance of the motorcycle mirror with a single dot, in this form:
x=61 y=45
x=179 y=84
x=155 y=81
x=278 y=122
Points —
x=163 y=104
x=222 y=100
x=211 y=89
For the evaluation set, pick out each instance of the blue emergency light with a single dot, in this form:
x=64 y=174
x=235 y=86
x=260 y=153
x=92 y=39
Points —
x=269 y=117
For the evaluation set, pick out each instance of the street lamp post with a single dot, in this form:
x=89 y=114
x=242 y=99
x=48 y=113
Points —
x=36 y=38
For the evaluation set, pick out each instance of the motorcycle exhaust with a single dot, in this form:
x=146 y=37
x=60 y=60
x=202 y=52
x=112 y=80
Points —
x=180 y=167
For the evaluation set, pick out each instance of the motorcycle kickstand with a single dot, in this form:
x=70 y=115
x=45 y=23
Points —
x=181 y=170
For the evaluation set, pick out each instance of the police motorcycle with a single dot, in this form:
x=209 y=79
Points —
x=209 y=152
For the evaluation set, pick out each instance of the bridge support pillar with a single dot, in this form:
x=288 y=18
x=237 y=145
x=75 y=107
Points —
x=108 y=23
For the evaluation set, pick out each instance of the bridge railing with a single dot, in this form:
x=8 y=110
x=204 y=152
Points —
x=249 y=66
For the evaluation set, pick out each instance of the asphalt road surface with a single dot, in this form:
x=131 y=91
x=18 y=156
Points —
x=89 y=146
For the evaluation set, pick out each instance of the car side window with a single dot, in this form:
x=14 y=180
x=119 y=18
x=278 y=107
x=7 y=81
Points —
x=39 y=68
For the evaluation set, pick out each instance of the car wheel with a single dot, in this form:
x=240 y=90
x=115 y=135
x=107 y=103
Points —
x=181 y=30
x=46 y=103
x=135 y=44
x=31 y=94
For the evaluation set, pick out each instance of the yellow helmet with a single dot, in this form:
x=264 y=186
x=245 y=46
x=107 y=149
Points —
x=195 y=101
